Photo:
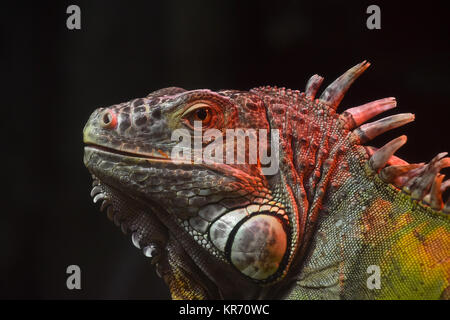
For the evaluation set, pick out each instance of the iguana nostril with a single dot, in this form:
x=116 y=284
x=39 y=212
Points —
x=108 y=119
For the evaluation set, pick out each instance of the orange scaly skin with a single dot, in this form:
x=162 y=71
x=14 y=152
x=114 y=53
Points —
x=334 y=211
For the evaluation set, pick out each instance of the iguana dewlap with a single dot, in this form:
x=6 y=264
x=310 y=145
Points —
x=333 y=211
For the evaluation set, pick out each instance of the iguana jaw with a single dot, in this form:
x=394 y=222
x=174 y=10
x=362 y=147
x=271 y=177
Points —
x=144 y=178
x=100 y=161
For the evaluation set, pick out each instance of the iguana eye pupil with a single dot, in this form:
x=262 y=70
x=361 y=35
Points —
x=202 y=114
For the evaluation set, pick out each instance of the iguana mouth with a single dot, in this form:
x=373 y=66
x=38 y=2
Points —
x=128 y=153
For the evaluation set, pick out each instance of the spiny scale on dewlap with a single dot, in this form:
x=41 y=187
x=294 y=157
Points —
x=334 y=210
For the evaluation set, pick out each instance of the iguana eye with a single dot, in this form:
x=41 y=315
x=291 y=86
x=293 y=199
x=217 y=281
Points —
x=201 y=112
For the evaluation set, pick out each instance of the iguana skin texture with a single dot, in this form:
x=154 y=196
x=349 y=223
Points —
x=313 y=230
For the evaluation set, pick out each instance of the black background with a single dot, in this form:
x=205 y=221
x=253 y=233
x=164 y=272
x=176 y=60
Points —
x=54 y=78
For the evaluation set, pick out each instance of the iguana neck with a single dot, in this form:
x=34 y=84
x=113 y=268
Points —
x=332 y=249
x=314 y=152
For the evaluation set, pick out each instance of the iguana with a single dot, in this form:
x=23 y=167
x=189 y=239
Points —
x=336 y=214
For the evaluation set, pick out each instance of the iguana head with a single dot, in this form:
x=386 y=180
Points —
x=231 y=209
x=224 y=219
